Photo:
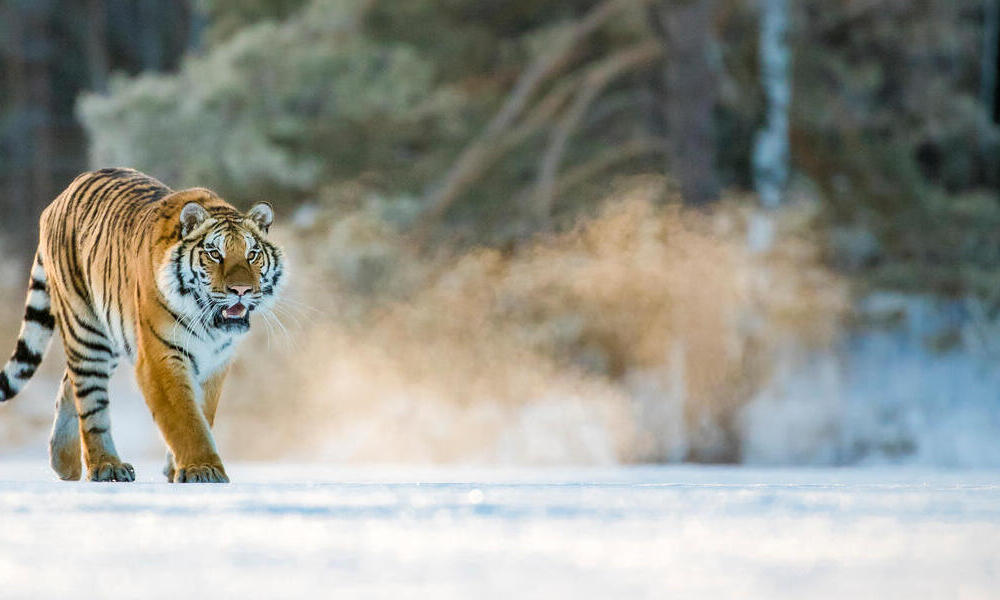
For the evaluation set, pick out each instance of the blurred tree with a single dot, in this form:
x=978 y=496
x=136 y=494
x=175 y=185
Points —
x=989 y=65
x=988 y=69
x=50 y=50
x=690 y=95
x=989 y=83
x=489 y=121
x=771 y=148
x=345 y=90
x=277 y=110
x=227 y=17
x=28 y=115
x=96 y=45
x=494 y=140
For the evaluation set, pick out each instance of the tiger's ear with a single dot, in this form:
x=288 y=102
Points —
x=192 y=215
x=262 y=214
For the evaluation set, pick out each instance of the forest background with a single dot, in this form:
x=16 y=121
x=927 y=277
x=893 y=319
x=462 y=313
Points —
x=556 y=232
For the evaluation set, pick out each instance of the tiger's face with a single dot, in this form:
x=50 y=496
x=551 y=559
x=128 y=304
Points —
x=223 y=268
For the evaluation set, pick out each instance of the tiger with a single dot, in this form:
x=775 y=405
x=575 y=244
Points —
x=127 y=267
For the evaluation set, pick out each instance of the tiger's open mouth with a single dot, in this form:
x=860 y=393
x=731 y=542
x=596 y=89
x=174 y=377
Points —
x=236 y=311
x=233 y=318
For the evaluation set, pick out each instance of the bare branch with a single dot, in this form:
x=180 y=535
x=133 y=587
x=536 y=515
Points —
x=594 y=83
x=605 y=160
x=486 y=154
x=474 y=158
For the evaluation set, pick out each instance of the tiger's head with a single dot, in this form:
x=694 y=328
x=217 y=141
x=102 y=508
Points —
x=222 y=268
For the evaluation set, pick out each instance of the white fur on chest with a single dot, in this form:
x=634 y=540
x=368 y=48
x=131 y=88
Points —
x=214 y=355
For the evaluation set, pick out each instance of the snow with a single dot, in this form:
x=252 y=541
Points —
x=311 y=531
x=886 y=396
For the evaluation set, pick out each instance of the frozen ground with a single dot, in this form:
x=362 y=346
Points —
x=297 y=531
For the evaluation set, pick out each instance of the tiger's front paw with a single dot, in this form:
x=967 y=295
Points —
x=200 y=473
x=110 y=470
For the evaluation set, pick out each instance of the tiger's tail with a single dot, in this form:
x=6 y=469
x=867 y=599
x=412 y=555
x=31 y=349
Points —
x=36 y=333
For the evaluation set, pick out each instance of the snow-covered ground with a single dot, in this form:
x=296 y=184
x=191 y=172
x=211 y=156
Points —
x=303 y=531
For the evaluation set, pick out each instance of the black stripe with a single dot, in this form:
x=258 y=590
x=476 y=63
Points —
x=181 y=320
x=79 y=278
x=122 y=280
x=102 y=405
x=109 y=296
x=191 y=258
x=112 y=171
x=78 y=194
x=276 y=278
x=154 y=195
x=36 y=284
x=97 y=430
x=75 y=319
x=131 y=190
x=176 y=348
x=90 y=327
x=76 y=277
x=86 y=372
x=77 y=357
x=178 y=274
x=23 y=354
x=6 y=393
x=95 y=346
x=95 y=207
x=41 y=316
x=89 y=390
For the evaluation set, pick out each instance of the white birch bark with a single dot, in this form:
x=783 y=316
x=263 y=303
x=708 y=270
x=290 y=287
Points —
x=770 y=159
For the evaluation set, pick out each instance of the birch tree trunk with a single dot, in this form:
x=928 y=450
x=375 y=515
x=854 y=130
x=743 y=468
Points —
x=770 y=159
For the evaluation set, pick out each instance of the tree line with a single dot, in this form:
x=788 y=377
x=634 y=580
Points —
x=495 y=120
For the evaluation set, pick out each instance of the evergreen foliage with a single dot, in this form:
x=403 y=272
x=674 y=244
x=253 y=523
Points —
x=295 y=100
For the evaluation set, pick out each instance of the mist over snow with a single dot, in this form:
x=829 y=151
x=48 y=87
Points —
x=887 y=396
x=883 y=397
x=643 y=336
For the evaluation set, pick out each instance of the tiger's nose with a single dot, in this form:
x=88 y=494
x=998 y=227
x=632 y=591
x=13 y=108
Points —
x=239 y=290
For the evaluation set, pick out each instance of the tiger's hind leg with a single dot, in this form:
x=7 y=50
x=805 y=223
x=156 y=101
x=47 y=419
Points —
x=64 y=443
x=90 y=391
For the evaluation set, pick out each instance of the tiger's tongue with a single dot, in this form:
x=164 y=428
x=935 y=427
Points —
x=235 y=311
